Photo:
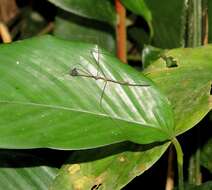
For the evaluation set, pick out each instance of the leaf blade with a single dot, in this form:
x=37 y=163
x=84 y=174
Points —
x=66 y=110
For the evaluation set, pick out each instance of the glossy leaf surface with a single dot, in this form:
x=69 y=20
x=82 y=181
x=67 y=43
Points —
x=40 y=99
x=93 y=9
x=181 y=85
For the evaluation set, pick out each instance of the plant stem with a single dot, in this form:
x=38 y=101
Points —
x=179 y=162
x=205 y=21
x=195 y=23
x=121 y=32
x=195 y=39
x=170 y=170
x=4 y=33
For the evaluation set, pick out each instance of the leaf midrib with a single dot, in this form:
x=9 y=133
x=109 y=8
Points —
x=70 y=109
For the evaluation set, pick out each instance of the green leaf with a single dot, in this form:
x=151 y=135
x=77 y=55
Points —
x=139 y=7
x=22 y=171
x=75 y=28
x=111 y=167
x=187 y=85
x=93 y=9
x=168 y=22
x=172 y=81
x=40 y=99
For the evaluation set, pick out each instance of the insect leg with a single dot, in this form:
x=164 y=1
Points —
x=103 y=91
x=97 y=62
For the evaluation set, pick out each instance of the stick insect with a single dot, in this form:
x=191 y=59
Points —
x=77 y=72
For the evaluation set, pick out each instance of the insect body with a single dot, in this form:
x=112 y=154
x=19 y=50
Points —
x=77 y=72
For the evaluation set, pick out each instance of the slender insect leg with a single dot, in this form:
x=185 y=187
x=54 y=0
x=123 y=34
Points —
x=97 y=62
x=103 y=91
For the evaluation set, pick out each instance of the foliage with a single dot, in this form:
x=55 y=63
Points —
x=59 y=92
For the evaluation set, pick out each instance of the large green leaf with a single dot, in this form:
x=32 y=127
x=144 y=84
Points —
x=187 y=85
x=108 y=168
x=22 y=171
x=40 y=99
x=190 y=102
x=94 y=9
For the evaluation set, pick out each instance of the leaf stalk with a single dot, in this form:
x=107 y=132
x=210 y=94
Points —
x=179 y=162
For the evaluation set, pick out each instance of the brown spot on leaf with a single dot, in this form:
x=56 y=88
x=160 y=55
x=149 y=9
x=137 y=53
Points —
x=141 y=167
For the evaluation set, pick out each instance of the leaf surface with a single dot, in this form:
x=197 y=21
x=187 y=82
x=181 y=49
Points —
x=40 y=99
x=93 y=9
x=23 y=171
x=182 y=84
x=187 y=85
x=111 y=167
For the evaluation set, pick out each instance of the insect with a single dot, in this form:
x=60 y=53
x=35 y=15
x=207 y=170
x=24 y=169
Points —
x=77 y=72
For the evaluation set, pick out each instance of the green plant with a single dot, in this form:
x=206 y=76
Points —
x=43 y=106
